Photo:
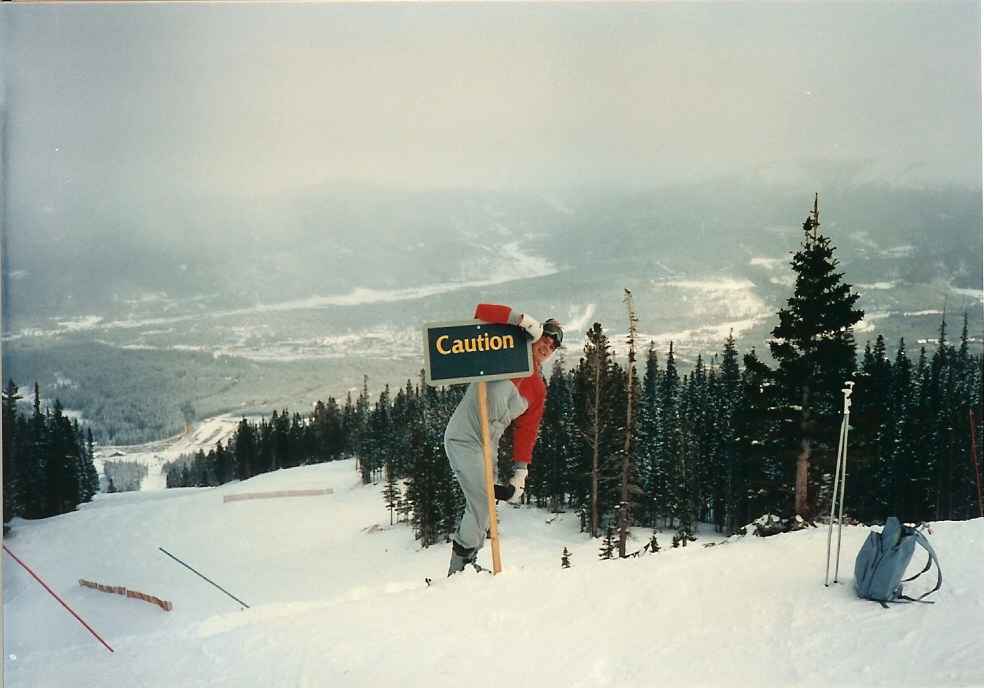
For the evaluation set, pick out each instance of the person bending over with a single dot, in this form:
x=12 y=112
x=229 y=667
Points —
x=517 y=402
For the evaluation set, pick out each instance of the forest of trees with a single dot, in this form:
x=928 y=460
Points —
x=47 y=459
x=730 y=440
x=712 y=445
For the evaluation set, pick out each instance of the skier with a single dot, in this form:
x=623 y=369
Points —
x=517 y=402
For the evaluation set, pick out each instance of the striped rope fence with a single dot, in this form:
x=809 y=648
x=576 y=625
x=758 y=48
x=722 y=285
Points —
x=132 y=594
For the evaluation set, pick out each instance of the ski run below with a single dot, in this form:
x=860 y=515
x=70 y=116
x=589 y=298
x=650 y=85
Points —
x=337 y=598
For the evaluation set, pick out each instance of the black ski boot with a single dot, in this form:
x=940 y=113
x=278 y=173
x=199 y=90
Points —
x=460 y=556
x=503 y=493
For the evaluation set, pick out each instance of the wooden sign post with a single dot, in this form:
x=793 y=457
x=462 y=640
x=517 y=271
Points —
x=489 y=487
x=474 y=351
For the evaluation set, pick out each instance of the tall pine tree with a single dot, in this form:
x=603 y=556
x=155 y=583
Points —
x=814 y=347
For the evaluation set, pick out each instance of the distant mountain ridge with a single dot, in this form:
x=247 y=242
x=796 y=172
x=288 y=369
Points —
x=164 y=257
x=289 y=312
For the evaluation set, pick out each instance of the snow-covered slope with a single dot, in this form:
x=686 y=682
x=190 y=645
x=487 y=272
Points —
x=337 y=598
x=203 y=436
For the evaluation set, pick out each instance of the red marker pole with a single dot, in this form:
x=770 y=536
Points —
x=38 y=579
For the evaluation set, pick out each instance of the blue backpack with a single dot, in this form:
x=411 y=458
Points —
x=882 y=561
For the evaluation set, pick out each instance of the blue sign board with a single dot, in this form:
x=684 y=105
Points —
x=473 y=350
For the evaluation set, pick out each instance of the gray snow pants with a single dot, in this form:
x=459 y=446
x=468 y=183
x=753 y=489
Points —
x=463 y=444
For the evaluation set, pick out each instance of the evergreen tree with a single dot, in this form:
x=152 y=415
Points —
x=629 y=479
x=265 y=449
x=11 y=468
x=296 y=440
x=766 y=484
x=814 y=347
x=391 y=492
x=565 y=559
x=331 y=431
x=91 y=474
x=376 y=443
x=449 y=501
x=733 y=474
x=922 y=474
x=874 y=472
x=81 y=459
x=421 y=489
x=350 y=427
x=940 y=393
x=282 y=450
x=61 y=464
x=595 y=419
x=673 y=455
x=246 y=449
x=903 y=450
x=35 y=482
x=963 y=479
x=684 y=476
x=432 y=492
x=404 y=413
x=652 y=471
x=548 y=478
x=361 y=424
x=975 y=418
x=607 y=550
x=223 y=465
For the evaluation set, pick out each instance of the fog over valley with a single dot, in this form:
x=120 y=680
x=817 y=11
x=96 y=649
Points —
x=247 y=208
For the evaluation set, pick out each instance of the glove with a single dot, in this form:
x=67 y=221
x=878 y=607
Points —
x=518 y=482
x=533 y=327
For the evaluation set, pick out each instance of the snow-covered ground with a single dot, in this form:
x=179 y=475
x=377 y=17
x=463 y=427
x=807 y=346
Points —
x=337 y=598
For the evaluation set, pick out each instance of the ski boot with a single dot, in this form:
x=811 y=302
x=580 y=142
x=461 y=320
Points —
x=503 y=493
x=462 y=556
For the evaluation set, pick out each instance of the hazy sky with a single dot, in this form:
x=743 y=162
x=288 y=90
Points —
x=236 y=98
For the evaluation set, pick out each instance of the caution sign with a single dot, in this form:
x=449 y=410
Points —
x=475 y=350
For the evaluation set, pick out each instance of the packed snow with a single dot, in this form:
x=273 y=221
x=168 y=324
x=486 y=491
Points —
x=337 y=597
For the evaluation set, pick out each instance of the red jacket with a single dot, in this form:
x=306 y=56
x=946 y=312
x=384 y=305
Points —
x=532 y=388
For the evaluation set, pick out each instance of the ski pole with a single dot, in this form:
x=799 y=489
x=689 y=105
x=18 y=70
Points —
x=60 y=600
x=840 y=478
x=848 y=389
x=833 y=501
x=201 y=576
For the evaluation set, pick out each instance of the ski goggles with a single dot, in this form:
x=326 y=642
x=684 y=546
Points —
x=552 y=329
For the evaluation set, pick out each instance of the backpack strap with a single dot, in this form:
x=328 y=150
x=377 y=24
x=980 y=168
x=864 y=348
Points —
x=921 y=539
x=919 y=599
x=929 y=564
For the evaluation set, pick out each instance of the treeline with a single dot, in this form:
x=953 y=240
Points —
x=329 y=432
x=914 y=425
x=712 y=445
x=399 y=438
x=47 y=459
